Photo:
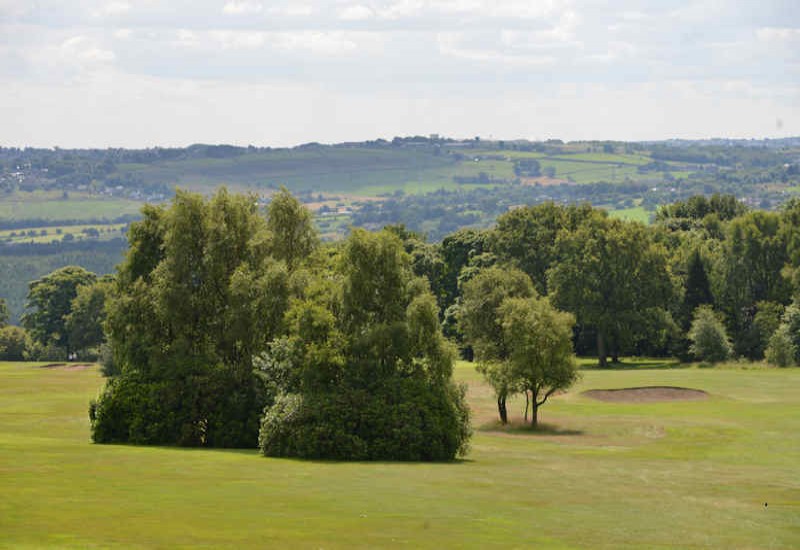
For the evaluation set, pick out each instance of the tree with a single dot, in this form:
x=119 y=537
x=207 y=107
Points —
x=614 y=278
x=526 y=237
x=50 y=302
x=364 y=372
x=14 y=343
x=709 y=339
x=84 y=323
x=196 y=297
x=698 y=288
x=293 y=235
x=481 y=323
x=4 y=313
x=781 y=350
x=539 y=338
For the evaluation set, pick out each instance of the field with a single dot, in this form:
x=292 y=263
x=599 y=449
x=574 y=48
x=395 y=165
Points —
x=45 y=206
x=603 y=475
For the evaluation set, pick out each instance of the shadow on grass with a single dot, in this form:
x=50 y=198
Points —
x=654 y=364
x=518 y=427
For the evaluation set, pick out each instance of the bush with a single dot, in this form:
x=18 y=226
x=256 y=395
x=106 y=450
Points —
x=709 y=341
x=14 y=343
x=781 y=350
x=404 y=419
x=213 y=409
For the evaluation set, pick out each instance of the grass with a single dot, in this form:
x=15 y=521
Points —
x=23 y=206
x=603 y=475
x=636 y=213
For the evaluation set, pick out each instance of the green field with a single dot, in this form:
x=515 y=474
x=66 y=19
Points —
x=22 y=206
x=604 y=475
x=46 y=234
x=636 y=213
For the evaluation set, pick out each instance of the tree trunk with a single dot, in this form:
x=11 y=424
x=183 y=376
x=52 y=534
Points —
x=601 y=350
x=527 y=403
x=615 y=356
x=534 y=414
x=501 y=408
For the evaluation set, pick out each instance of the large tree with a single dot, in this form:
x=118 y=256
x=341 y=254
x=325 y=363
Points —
x=50 y=302
x=614 y=278
x=197 y=296
x=84 y=323
x=539 y=339
x=527 y=237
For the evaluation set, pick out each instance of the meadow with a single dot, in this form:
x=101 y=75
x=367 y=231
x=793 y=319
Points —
x=719 y=472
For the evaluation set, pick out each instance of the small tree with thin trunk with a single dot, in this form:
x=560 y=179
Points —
x=541 y=359
x=479 y=319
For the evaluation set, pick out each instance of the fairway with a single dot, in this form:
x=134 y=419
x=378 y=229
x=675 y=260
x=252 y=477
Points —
x=604 y=475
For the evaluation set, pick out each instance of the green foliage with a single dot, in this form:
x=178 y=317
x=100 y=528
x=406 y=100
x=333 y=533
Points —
x=50 y=302
x=197 y=297
x=365 y=373
x=14 y=343
x=781 y=350
x=84 y=322
x=698 y=288
x=4 y=313
x=539 y=338
x=479 y=313
x=708 y=336
x=615 y=278
x=293 y=236
x=526 y=237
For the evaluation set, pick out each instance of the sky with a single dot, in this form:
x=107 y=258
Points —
x=128 y=73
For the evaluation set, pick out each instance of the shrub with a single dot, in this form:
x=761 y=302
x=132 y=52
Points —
x=14 y=343
x=709 y=341
x=781 y=350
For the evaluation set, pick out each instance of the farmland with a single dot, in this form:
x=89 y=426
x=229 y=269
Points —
x=602 y=475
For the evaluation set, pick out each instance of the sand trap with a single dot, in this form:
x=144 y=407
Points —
x=65 y=366
x=648 y=394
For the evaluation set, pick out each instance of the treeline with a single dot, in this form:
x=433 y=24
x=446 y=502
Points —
x=27 y=223
x=635 y=289
x=21 y=263
x=225 y=328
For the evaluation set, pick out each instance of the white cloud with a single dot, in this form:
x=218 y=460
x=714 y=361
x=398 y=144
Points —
x=778 y=34
x=356 y=12
x=114 y=9
x=242 y=7
x=83 y=49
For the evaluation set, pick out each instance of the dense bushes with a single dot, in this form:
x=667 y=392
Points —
x=220 y=316
x=365 y=372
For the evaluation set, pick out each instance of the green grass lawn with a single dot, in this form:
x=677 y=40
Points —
x=603 y=475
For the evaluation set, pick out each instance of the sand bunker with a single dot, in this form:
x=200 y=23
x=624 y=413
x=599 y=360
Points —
x=648 y=394
x=65 y=366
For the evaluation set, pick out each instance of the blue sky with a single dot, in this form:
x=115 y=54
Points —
x=151 y=72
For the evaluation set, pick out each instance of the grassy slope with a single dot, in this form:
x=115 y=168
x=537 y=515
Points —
x=26 y=206
x=647 y=475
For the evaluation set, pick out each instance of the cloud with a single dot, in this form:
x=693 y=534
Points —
x=413 y=62
x=356 y=12
x=241 y=7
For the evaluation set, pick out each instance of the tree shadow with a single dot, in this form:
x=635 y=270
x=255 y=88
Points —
x=518 y=427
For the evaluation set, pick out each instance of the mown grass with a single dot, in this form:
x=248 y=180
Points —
x=600 y=475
